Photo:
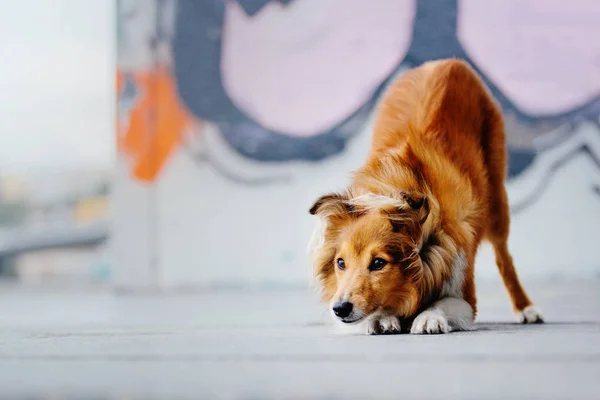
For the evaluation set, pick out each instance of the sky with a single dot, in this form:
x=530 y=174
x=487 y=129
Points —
x=56 y=84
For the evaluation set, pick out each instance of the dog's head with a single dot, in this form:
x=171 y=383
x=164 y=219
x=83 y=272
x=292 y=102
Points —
x=366 y=253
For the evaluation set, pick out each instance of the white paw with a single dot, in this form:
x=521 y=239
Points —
x=383 y=324
x=430 y=321
x=530 y=315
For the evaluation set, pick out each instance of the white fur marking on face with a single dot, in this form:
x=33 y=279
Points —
x=356 y=328
x=316 y=242
x=530 y=315
x=454 y=286
x=445 y=315
x=376 y=201
x=317 y=239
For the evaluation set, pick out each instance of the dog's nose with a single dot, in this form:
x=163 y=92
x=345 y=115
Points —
x=342 y=309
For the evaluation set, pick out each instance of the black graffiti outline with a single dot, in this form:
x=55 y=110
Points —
x=205 y=158
x=424 y=46
x=546 y=179
x=268 y=146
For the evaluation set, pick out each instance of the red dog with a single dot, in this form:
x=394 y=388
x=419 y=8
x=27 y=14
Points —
x=396 y=249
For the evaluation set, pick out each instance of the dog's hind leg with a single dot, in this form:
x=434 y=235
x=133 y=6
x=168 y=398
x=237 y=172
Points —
x=498 y=235
x=494 y=147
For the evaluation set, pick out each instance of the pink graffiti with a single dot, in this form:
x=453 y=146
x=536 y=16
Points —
x=544 y=54
x=303 y=67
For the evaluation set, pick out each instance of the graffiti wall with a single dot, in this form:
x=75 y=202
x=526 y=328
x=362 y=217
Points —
x=234 y=115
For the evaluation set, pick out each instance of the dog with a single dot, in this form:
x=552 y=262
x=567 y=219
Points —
x=396 y=248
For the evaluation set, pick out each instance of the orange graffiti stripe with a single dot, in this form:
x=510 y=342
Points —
x=155 y=125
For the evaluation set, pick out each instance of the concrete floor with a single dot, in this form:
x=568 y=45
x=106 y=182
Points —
x=277 y=344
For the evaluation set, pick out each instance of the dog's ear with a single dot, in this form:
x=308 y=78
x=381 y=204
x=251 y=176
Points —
x=410 y=217
x=332 y=210
x=331 y=204
x=418 y=204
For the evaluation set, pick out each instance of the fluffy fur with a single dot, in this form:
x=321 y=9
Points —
x=431 y=189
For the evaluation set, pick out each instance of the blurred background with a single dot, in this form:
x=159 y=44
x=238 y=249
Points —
x=57 y=146
x=178 y=144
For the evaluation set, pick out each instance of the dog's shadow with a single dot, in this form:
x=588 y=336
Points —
x=484 y=327
x=509 y=327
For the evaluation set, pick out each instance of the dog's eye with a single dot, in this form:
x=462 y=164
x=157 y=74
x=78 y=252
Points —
x=377 y=264
x=341 y=263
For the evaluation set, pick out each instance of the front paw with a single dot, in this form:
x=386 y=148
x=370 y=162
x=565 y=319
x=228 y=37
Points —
x=383 y=325
x=430 y=321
